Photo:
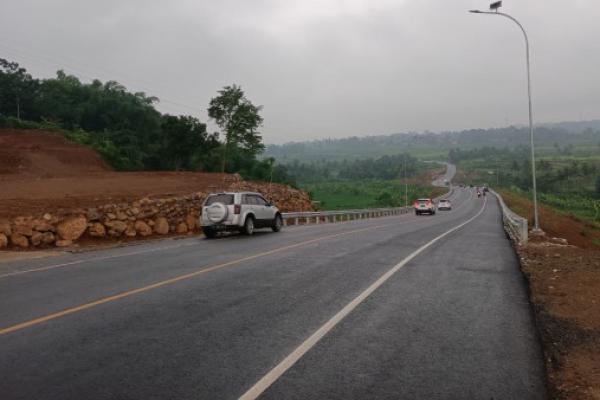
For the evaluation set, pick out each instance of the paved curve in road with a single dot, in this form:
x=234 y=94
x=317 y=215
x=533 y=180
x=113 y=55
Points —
x=209 y=319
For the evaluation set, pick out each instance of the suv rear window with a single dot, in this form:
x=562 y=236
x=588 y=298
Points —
x=226 y=199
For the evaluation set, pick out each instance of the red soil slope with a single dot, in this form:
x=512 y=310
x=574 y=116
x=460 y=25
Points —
x=45 y=154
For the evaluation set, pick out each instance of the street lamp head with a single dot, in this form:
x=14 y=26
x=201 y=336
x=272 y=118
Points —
x=475 y=11
x=495 y=5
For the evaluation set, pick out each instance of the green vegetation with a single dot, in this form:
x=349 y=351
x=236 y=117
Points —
x=343 y=195
x=567 y=179
x=572 y=137
x=127 y=130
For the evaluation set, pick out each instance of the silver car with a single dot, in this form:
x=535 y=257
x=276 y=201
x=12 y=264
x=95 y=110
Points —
x=238 y=211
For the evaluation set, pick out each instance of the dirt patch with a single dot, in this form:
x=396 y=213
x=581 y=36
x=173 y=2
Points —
x=565 y=290
x=577 y=232
x=43 y=154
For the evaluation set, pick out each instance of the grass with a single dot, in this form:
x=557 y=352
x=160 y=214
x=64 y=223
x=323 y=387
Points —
x=340 y=195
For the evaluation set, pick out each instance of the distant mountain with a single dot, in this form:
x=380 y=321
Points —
x=431 y=145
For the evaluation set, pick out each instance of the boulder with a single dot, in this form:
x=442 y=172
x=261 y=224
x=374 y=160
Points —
x=47 y=217
x=63 y=243
x=142 y=228
x=93 y=214
x=19 y=240
x=121 y=216
x=161 y=226
x=117 y=226
x=97 y=230
x=130 y=231
x=182 y=227
x=36 y=238
x=23 y=226
x=72 y=228
x=41 y=225
x=5 y=228
x=3 y=241
x=190 y=221
x=48 y=238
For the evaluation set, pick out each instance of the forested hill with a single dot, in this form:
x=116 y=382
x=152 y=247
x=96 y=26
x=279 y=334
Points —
x=432 y=145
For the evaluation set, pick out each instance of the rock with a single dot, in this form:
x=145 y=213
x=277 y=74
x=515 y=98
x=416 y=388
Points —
x=23 y=226
x=72 y=228
x=36 y=238
x=111 y=216
x=19 y=240
x=117 y=226
x=161 y=226
x=41 y=225
x=134 y=210
x=47 y=217
x=48 y=238
x=97 y=230
x=190 y=221
x=121 y=216
x=93 y=214
x=182 y=227
x=130 y=231
x=5 y=228
x=3 y=241
x=142 y=228
x=63 y=243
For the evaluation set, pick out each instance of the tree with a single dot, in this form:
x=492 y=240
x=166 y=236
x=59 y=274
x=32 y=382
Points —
x=17 y=89
x=239 y=120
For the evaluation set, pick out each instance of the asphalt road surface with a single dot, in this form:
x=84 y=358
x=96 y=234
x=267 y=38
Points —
x=404 y=307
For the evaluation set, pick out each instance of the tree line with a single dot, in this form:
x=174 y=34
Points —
x=382 y=168
x=130 y=133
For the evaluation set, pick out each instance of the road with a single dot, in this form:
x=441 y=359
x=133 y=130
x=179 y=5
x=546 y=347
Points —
x=404 y=307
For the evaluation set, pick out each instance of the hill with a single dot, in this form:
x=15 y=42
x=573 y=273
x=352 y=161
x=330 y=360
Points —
x=45 y=154
x=435 y=145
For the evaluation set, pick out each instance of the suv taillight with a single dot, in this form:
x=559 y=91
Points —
x=237 y=208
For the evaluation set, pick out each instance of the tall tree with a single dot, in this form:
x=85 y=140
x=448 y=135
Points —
x=17 y=90
x=239 y=120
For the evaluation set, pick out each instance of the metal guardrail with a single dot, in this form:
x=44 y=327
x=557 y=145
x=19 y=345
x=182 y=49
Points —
x=514 y=224
x=342 y=215
x=318 y=217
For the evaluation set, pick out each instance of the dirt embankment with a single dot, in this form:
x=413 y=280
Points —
x=46 y=180
x=564 y=280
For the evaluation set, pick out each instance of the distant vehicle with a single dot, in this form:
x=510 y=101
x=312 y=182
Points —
x=485 y=189
x=424 y=206
x=444 y=204
x=446 y=182
x=238 y=211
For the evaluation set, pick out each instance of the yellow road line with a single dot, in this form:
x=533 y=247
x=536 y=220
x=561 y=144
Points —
x=156 y=285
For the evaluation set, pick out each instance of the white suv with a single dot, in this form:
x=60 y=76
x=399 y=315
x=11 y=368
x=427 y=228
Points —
x=238 y=211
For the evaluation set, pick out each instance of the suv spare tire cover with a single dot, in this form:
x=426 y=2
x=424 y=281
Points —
x=217 y=212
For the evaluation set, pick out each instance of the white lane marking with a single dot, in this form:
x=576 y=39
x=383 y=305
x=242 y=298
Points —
x=272 y=376
x=54 y=266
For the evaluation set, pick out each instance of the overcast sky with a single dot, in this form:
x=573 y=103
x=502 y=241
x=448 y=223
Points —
x=325 y=68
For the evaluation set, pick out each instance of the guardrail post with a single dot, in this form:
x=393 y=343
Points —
x=307 y=220
x=285 y=222
x=296 y=221
x=317 y=219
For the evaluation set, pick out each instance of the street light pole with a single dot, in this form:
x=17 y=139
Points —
x=535 y=205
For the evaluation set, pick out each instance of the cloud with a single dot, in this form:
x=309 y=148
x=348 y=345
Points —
x=325 y=68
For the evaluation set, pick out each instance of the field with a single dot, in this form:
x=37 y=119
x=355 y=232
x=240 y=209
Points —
x=367 y=194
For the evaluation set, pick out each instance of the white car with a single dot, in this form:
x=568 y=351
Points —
x=238 y=211
x=424 y=206
x=444 y=204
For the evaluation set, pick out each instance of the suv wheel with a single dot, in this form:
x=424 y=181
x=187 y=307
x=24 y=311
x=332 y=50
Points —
x=248 y=228
x=277 y=224
x=209 y=232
